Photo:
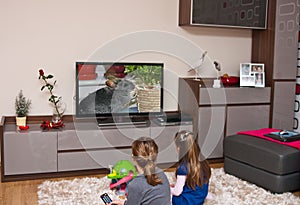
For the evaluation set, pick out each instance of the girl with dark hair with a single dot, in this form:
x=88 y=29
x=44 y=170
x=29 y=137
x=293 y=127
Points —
x=151 y=186
x=192 y=173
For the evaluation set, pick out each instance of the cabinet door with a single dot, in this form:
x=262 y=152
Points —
x=241 y=118
x=284 y=105
x=163 y=136
x=30 y=152
x=211 y=130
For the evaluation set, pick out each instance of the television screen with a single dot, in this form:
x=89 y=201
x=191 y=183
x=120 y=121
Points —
x=242 y=13
x=105 y=89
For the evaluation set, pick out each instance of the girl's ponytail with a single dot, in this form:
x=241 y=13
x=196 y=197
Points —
x=144 y=151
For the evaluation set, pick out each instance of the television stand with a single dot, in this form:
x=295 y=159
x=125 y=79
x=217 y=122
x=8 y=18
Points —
x=80 y=148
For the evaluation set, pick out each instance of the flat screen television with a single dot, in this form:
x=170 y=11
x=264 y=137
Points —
x=118 y=89
x=241 y=13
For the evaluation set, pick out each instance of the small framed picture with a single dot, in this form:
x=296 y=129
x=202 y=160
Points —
x=252 y=74
x=245 y=69
x=247 y=81
x=257 y=67
x=259 y=79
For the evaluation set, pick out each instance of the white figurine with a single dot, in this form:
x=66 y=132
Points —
x=196 y=67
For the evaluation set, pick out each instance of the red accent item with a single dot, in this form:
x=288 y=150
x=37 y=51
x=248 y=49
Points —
x=123 y=180
x=90 y=76
x=87 y=72
x=49 y=125
x=86 y=69
x=229 y=81
x=243 y=14
x=261 y=132
x=297 y=89
x=115 y=71
x=24 y=127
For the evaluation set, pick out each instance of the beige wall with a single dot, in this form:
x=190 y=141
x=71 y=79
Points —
x=53 y=35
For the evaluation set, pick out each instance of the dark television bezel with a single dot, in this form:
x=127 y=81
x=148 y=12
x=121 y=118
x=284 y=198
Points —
x=141 y=115
x=221 y=25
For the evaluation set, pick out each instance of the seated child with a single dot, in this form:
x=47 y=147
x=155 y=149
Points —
x=193 y=172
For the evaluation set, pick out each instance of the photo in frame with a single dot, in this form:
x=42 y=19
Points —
x=252 y=75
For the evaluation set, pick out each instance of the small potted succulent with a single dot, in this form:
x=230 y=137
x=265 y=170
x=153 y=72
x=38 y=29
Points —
x=22 y=106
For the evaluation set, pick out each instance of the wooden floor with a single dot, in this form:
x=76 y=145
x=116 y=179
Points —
x=25 y=192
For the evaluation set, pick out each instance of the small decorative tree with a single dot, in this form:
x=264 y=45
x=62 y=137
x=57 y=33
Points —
x=22 y=106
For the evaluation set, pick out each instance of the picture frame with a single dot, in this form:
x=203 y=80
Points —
x=252 y=74
x=255 y=67
x=259 y=79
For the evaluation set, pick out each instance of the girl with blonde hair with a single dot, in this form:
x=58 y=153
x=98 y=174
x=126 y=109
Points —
x=192 y=173
x=151 y=186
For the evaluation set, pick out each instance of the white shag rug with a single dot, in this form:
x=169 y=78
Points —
x=224 y=189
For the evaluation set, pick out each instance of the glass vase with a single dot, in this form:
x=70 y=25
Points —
x=58 y=112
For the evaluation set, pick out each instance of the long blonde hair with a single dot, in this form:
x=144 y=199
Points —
x=189 y=152
x=144 y=152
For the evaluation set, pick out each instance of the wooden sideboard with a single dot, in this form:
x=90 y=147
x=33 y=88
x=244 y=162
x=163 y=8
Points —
x=81 y=147
x=219 y=112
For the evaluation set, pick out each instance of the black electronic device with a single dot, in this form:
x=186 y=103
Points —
x=241 y=14
x=284 y=136
x=105 y=198
x=176 y=118
x=118 y=90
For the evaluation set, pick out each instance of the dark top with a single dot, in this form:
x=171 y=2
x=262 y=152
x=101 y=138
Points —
x=142 y=193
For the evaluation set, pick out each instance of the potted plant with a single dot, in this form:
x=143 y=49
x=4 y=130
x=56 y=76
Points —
x=22 y=106
x=148 y=80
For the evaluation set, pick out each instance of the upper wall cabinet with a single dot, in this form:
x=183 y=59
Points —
x=250 y=14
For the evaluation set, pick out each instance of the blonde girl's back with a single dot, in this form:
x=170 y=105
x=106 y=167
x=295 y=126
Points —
x=151 y=186
x=144 y=151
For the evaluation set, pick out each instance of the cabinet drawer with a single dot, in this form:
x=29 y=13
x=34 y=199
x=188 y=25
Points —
x=101 y=138
x=28 y=153
x=240 y=95
x=68 y=161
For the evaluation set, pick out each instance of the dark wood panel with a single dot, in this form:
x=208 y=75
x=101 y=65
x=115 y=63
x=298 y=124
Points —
x=184 y=12
x=263 y=44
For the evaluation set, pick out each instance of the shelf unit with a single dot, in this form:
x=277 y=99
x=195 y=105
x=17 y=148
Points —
x=81 y=147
